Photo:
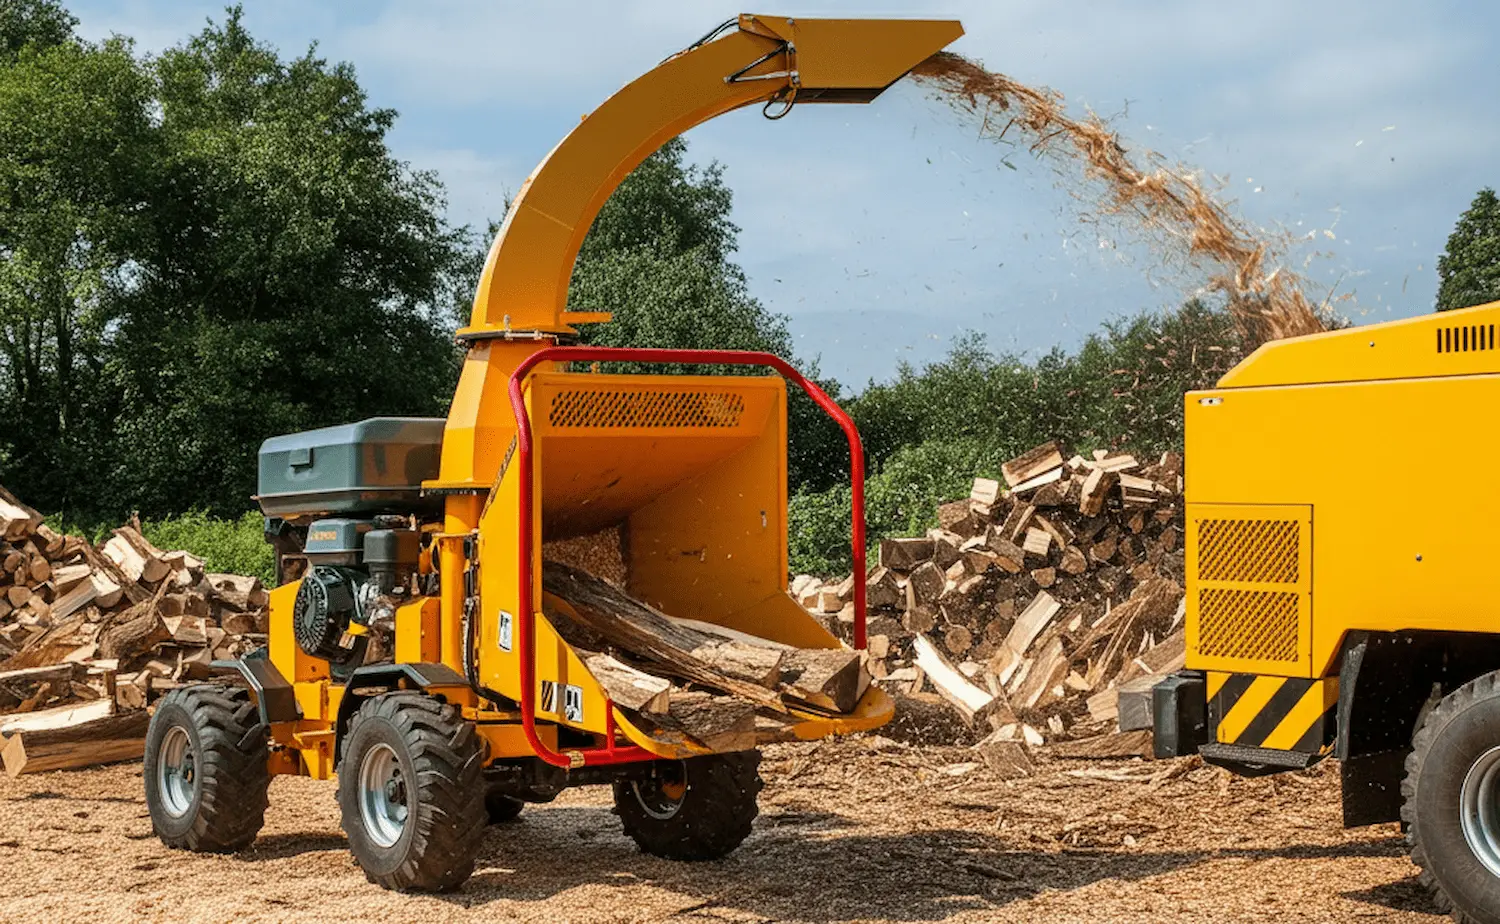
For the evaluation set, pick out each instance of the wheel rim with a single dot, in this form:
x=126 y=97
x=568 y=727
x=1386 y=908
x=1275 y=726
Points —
x=1481 y=809
x=177 y=772
x=382 y=795
x=661 y=796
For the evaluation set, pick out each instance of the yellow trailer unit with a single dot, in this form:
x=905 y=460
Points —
x=1340 y=593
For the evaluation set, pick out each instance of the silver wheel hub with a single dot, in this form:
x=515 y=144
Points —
x=177 y=772
x=1480 y=807
x=661 y=796
x=382 y=795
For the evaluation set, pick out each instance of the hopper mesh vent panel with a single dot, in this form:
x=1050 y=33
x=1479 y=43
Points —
x=602 y=407
x=1259 y=625
x=1251 y=551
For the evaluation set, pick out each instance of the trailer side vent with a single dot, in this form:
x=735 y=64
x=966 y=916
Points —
x=1466 y=339
x=1249 y=606
x=608 y=407
x=1253 y=551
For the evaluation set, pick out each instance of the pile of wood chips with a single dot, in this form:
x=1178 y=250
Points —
x=1041 y=611
x=90 y=636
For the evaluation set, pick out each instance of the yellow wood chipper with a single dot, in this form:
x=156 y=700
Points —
x=409 y=654
x=1339 y=601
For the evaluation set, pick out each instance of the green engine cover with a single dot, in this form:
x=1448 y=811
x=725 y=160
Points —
x=374 y=466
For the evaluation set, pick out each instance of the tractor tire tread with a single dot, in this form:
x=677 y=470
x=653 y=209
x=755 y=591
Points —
x=1475 y=691
x=447 y=755
x=717 y=812
x=232 y=761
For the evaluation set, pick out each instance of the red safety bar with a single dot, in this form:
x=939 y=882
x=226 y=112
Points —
x=526 y=618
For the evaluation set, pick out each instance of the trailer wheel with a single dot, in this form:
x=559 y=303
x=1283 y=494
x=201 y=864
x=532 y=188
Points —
x=410 y=793
x=1452 y=801
x=205 y=769
x=695 y=809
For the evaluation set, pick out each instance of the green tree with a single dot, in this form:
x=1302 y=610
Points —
x=35 y=23
x=75 y=140
x=293 y=273
x=198 y=251
x=1469 y=269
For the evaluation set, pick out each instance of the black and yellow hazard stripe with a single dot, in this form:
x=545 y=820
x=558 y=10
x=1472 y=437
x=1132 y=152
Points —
x=1278 y=713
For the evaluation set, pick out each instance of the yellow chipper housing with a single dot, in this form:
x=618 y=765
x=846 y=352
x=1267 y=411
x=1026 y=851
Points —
x=1341 y=597
x=411 y=653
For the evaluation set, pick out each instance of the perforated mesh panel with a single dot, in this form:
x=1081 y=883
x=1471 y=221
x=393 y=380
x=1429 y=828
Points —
x=1258 y=625
x=1251 y=584
x=1253 y=551
x=603 y=407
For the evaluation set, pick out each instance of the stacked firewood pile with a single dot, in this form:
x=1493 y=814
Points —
x=1041 y=610
x=90 y=635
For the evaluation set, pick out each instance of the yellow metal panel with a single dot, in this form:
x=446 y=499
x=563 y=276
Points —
x=781 y=619
x=480 y=425
x=887 y=48
x=417 y=632
x=874 y=710
x=1399 y=544
x=316 y=750
x=312 y=699
x=612 y=445
x=1249 y=601
x=293 y=663
x=508 y=739
x=693 y=468
x=715 y=543
x=1462 y=342
x=1277 y=713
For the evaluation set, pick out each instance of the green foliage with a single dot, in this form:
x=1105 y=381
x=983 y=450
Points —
x=1469 y=269
x=75 y=136
x=817 y=531
x=667 y=206
x=201 y=250
x=901 y=499
x=1122 y=388
x=929 y=433
x=234 y=546
x=35 y=23
x=298 y=271
x=230 y=545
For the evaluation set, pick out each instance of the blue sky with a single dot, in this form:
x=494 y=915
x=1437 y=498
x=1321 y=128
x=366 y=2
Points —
x=884 y=231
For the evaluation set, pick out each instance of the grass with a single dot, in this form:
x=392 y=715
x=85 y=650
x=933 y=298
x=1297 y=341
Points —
x=232 y=546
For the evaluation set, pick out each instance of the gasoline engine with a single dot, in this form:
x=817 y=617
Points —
x=357 y=573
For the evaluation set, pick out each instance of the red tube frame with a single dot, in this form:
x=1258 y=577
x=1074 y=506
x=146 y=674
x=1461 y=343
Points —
x=526 y=618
